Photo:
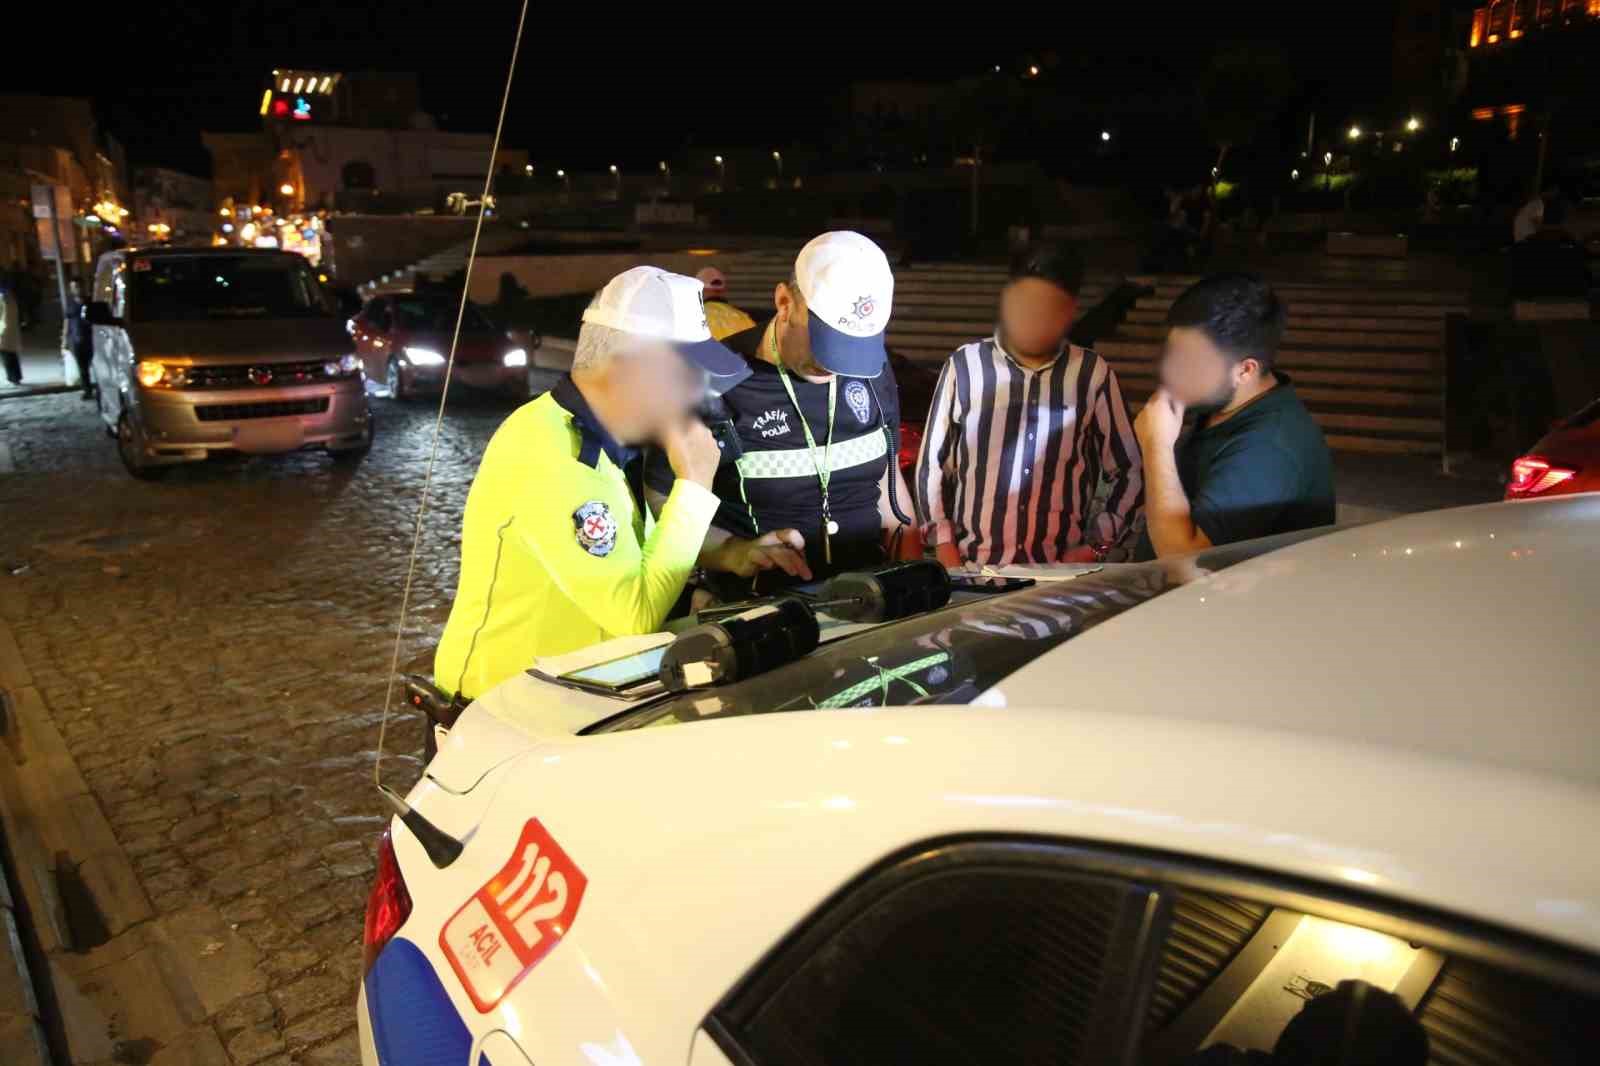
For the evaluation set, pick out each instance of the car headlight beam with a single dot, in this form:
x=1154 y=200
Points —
x=424 y=357
x=154 y=374
x=515 y=357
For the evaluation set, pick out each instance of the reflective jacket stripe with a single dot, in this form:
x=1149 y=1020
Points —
x=797 y=462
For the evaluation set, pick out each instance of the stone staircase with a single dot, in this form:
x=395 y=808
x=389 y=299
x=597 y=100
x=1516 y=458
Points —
x=1366 y=354
x=937 y=307
x=1366 y=357
x=443 y=263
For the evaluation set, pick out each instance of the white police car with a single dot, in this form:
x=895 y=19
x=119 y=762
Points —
x=1123 y=816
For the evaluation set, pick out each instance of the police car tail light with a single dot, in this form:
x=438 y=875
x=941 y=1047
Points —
x=910 y=445
x=388 y=905
x=1532 y=475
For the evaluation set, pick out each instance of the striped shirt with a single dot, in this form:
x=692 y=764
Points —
x=1012 y=459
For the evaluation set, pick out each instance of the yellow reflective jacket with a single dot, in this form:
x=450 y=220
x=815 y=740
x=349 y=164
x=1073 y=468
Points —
x=556 y=553
x=725 y=320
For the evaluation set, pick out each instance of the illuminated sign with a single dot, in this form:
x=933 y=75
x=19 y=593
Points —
x=302 y=108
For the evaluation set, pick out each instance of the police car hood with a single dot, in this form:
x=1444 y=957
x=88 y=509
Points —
x=509 y=720
x=949 y=656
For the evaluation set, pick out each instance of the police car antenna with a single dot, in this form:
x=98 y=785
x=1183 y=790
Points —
x=441 y=847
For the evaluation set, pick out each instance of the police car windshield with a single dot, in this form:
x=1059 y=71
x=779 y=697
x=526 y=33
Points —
x=168 y=288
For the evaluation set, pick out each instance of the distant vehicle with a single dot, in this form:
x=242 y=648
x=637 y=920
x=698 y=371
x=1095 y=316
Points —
x=404 y=339
x=201 y=351
x=1040 y=825
x=1566 y=460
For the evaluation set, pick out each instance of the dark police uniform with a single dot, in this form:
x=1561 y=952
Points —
x=774 y=484
x=1265 y=470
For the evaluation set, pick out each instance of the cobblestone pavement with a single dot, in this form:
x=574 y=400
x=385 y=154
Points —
x=214 y=648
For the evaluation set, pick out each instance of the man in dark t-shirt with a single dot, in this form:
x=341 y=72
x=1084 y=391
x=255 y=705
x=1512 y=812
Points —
x=808 y=495
x=1255 y=462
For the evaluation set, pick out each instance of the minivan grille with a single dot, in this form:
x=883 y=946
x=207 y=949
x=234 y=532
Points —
x=238 y=412
x=237 y=376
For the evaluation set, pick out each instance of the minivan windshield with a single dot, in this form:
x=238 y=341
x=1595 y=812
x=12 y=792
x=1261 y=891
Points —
x=167 y=288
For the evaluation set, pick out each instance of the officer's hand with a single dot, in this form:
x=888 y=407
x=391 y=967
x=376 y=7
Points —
x=692 y=451
x=782 y=549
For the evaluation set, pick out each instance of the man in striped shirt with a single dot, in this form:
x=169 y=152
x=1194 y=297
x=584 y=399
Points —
x=1022 y=430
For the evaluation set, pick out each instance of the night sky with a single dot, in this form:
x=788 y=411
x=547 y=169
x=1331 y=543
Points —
x=599 y=82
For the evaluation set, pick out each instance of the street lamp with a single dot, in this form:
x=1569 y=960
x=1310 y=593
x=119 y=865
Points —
x=1355 y=133
x=1413 y=124
x=1105 y=135
x=1454 y=142
x=528 y=170
x=1294 y=175
x=1033 y=71
x=777 y=157
x=1327 y=159
x=286 y=189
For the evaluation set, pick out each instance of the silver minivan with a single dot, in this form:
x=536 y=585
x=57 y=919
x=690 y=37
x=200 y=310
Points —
x=199 y=351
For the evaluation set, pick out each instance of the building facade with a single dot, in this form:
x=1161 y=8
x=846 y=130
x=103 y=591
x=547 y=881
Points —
x=344 y=141
x=1531 y=98
x=53 y=140
x=171 y=207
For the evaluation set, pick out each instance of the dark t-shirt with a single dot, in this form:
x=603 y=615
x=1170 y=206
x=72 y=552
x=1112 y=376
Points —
x=765 y=421
x=1265 y=470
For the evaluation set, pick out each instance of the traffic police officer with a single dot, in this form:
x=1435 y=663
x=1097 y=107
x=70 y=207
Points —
x=814 y=487
x=557 y=550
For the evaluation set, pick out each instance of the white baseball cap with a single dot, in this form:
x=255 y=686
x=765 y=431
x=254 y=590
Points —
x=650 y=302
x=849 y=291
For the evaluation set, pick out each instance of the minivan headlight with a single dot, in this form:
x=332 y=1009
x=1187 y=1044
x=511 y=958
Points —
x=154 y=374
x=424 y=357
x=347 y=365
x=515 y=357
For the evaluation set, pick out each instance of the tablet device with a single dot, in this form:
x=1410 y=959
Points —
x=618 y=675
x=987 y=582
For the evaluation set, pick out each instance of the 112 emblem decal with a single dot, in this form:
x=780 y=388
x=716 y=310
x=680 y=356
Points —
x=596 y=530
x=515 y=920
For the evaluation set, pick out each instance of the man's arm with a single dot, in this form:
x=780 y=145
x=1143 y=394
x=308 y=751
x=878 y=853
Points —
x=935 y=470
x=630 y=588
x=1246 y=487
x=1167 y=515
x=1119 y=463
x=783 y=549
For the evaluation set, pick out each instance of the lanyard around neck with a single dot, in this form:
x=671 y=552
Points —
x=825 y=467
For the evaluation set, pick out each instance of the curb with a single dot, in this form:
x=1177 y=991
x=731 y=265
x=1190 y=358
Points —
x=23 y=1039
x=22 y=392
x=125 y=984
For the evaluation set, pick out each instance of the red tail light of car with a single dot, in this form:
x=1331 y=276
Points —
x=910 y=445
x=388 y=905
x=1532 y=475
